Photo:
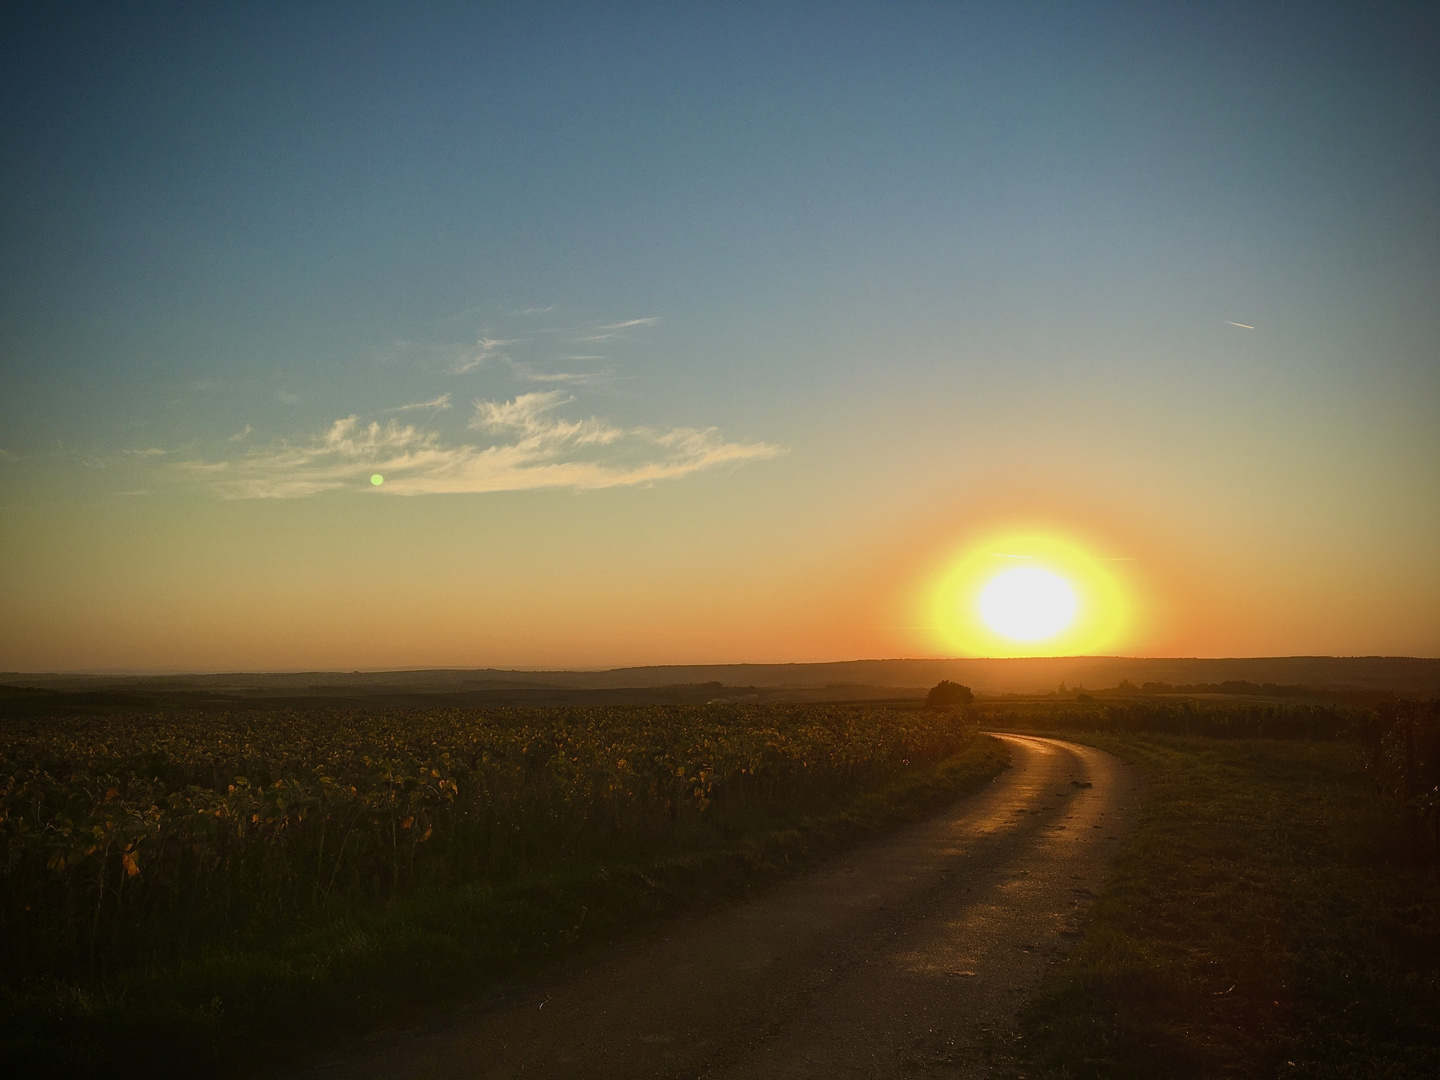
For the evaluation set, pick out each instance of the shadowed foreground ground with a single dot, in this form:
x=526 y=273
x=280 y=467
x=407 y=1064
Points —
x=908 y=957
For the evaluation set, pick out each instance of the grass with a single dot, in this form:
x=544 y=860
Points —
x=1269 y=917
x=254 y=998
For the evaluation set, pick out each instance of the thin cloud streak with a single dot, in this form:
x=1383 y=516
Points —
x=649 y=320
x=441 y=402
x=527 y=344
x=485 y=348
x=609 y=331
x=528 y=448
x=526 y=373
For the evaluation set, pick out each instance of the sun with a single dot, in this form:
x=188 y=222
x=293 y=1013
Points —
x=1029 y=603
x=1029 y=593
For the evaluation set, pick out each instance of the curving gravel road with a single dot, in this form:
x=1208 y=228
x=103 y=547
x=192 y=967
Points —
x=908 y=957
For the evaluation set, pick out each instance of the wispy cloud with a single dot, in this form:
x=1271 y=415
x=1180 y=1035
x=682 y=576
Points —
x=524 y=445
x=607 y=331
x=241 y=435
x=649 y=320
x=527 y=373
x=125 y=457
x=485 y=348
x=518 y=341
x=1241 y=325
x=441 y=402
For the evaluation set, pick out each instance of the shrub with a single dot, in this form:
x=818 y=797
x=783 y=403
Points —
x=947 y=693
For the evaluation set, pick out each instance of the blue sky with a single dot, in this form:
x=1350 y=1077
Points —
x=986 y=255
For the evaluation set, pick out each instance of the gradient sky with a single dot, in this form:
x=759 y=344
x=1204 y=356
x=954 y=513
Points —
x=688 y=333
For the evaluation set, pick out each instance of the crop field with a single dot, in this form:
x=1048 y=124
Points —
x=1273 y=915
x=1398 y=741
x=195 y=866
x=1277 y=911
x=206 y=892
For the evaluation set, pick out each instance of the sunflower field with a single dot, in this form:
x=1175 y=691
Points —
x=128 y=839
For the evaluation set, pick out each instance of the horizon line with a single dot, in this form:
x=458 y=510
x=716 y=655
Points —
x=201 y=672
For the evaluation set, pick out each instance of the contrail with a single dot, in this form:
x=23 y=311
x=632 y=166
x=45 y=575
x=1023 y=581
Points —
x=1241 y=325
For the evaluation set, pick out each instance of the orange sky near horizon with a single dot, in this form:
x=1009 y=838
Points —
x=607 y=579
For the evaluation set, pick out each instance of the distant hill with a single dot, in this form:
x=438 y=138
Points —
x=850 y=679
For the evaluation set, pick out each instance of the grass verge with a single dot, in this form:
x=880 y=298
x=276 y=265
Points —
x=246 y=1008
x=1266 y=919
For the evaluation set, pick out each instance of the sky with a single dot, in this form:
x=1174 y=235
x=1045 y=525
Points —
x=714 y=333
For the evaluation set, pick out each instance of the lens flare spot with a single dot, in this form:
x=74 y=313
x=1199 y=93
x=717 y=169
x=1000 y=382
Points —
x=1028 y=603
x=377 y=479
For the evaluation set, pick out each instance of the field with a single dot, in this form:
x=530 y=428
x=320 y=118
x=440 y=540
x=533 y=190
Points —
x=206 y=892
x=212 y=886
x=1277 y=912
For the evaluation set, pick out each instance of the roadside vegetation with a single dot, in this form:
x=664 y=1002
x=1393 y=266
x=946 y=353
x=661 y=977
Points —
x=1277 y=911
x=197 y=892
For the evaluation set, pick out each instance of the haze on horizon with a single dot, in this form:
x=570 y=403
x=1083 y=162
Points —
x=422 y=336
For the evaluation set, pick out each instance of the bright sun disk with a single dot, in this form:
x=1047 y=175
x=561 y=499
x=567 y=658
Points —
x=1028 y=603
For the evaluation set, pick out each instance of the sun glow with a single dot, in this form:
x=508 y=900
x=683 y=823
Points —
x=1029 y=594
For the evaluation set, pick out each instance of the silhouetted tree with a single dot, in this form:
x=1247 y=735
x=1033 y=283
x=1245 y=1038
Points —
x=949 y=693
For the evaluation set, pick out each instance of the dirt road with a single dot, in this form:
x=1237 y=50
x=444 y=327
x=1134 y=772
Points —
x=907 y=957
